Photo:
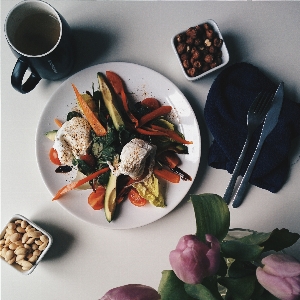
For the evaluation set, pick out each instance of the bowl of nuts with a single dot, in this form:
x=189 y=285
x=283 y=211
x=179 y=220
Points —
x=23 y=244
x=200 y=50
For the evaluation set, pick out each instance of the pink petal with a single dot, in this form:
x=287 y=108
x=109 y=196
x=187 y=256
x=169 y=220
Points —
x=281 y=265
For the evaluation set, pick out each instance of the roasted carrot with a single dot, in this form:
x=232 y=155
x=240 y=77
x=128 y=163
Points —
x=166 y=174
x=171 y=158
x=151 y=103
x=90 y=116
x=58 y=122
x=74 y=185
x=118 y=86
x=171 y=134
x=150 y=132
x=161 y=111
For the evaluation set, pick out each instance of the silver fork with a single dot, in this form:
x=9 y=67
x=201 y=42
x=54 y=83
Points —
x=256 y=114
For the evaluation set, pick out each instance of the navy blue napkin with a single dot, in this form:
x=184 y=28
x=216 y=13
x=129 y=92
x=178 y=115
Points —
x=227 y=105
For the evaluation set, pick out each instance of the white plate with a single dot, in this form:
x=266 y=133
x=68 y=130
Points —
x=141 y=82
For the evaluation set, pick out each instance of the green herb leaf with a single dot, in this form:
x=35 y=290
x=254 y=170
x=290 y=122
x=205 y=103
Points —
x=241 y=269
x=73 y=114
x=171 y=287
x=212 y=216
x=200 y=292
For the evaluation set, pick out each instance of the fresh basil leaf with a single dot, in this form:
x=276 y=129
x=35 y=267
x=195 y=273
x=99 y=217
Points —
x=212 y=216
x=82 y=166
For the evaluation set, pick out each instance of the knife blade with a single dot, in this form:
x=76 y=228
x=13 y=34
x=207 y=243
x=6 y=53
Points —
x=269 y=124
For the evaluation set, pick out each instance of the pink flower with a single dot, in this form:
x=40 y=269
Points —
x=280 y=275
x=132 y=292
x=192 y=260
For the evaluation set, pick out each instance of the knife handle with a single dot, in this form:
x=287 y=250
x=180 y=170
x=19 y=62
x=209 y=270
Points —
x=239 y=196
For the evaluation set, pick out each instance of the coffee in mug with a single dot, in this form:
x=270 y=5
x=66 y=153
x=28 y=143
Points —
x=42 y=41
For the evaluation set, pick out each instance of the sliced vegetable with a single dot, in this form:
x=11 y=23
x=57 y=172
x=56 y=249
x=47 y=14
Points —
x=118 y=85
x=75 y=184
x=171 y=159
x=89 y=159
x=109 y=101
x=53 y=156
x=150 y=131
x=135 y=198
x=51 y=135
x=58 y=122
x=96 y=198
x=166 y=174
x=110 y=200
x=159 y=112
x=171 y=134
x=151 y=103
x=90 y=116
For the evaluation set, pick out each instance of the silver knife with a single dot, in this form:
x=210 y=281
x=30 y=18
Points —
x=269 y=124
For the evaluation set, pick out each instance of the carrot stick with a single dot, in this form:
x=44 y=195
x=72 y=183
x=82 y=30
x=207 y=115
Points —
x=58 y=122
x=90 y=116
x=161 y=111
x=171 y=134
x=118 y=86
x=171 y=158
x=74 y=185
x=166 y=174
x=150 y=132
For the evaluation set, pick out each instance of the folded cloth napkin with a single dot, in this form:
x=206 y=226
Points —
x=226 y=109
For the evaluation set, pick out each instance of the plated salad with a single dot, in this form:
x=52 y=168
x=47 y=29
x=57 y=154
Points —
x=120 y=148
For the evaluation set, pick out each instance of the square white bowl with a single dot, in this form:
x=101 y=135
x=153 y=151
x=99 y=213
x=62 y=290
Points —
x=225 y=54
x=50 y=241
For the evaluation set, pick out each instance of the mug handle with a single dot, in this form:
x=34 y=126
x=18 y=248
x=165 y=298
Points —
x=17 y=76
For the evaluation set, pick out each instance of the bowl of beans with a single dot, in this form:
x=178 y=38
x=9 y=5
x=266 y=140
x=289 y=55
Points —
x=23 y=244
x=200 y=49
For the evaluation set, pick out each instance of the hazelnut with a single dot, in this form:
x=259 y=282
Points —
x=196 y=54
x=191 y=32
x=197 y=64
x=198 y=42
x=206 y=26
x=205 y=67
x=189 y=41
x=212 y=49
x=192 y=72
x=213 y=65
x=184 y=56
x=208 y=58
x=218 y=42
x=186 y=64
x=181 y=48
x=209 y=33
x=180 y=38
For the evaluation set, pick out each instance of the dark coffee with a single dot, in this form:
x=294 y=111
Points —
x=37 y=34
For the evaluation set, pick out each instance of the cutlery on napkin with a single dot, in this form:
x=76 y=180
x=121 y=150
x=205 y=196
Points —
x=227 y=105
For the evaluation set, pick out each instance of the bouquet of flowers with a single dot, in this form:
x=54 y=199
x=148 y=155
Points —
x=214 y=264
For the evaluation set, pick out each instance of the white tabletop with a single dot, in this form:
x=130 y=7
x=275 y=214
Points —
x=85 y=261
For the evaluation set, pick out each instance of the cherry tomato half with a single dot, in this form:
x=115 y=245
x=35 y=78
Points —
x=135 y=198
x=53 y=156
x=151 y=103
x=96 y=198
x=89 y=159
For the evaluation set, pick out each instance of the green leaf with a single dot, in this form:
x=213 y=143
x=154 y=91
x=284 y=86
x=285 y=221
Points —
x=237 y=250
x=239 y=288
x=223 y=267
x=280 y=239
x=200 y=292
x=241 y=269
x=171 y=287
x=212 y=216
x=255 y=238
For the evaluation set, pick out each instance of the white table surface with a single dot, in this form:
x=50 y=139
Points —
x=85 y=261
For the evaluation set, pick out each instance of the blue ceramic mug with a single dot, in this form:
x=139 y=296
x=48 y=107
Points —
x=41 y=39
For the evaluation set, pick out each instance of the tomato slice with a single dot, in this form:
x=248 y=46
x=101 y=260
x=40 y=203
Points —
x=135 y=198
x=53 y=156
x=96 y=198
